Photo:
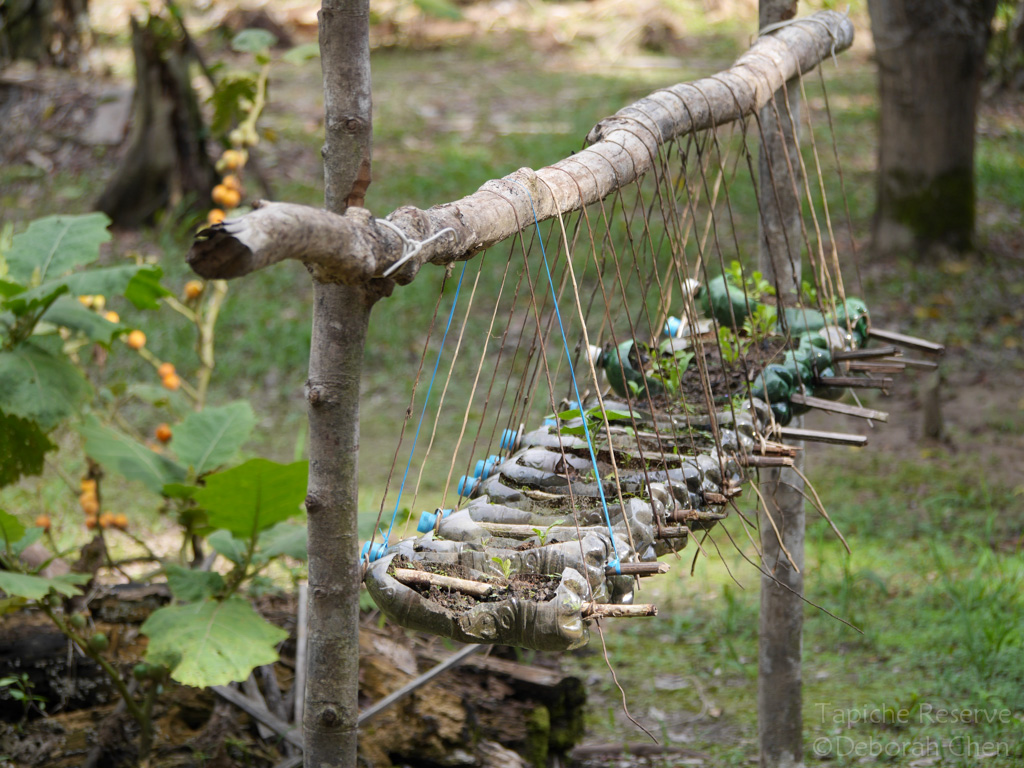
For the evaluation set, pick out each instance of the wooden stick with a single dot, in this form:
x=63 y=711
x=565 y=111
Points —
x=928 y=365
x=814 y=436
x=715 y=498
x=912 y=342
x=412 y=685
x=516 y=530
x=252 y=691
x=673 y=532
x=872 y=367
x=832 y=407
x=864 y=354
x=637 y=569
x=764 y=461
x=857 y=382
x=286 y=731
x=604 y=611
x=693 y=516
x=413 y=578
x=768 y=448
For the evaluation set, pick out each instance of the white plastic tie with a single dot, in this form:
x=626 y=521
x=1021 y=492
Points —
x=410 y=247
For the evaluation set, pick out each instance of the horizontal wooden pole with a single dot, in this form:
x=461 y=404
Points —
x=816 y=436
x=903 y=340
x=868 y=366
x=864 y=354
x=606 y=611
x=857 y=382
x=833 y=407
x=413 y=578
x=768 y=448
x=756 y=461
x=673 y=532
x=637 y=569
x=927 y=365
x=355 y=248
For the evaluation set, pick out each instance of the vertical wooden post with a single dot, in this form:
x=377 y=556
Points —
x=779 y=684
x=340 y=319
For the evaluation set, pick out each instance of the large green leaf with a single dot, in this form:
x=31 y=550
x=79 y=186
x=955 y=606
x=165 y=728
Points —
x=69 y=313
x=253 y=495
x=128 y=457
x=54 y=245
x=39 y=385
x=210 y=643
x=36 y=587
x=191 y=585
x=225 y=544
x=22 y=447
x=140 y=284
x=206 y=440
x=11 y=530
x=284 y=539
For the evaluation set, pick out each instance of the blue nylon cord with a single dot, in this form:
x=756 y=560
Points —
x=451 y=314
x=572 y=374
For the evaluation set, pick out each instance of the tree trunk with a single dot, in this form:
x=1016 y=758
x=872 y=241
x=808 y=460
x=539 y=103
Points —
x=340 y=317
x=779 y=682
x=931 y=61
x=45 y=31
x=166 y=161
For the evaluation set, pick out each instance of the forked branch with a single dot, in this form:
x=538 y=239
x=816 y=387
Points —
x=354 y=249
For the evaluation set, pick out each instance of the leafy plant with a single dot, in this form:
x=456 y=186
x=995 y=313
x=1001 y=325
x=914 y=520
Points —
x=543 y=533
x=808 y=293
x=754 y=284
x=733 y=347
x=19 y=687
x=760 y=324
x=505 y=565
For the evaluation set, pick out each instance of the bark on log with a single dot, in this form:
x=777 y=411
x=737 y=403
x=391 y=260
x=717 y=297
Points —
x=353 y=249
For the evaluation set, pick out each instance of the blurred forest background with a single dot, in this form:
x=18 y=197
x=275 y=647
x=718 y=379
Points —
x=465 y=91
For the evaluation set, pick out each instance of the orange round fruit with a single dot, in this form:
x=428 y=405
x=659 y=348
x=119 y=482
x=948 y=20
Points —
x=163 y=433
x=172 y=382
x=112 y=317
x=86 y=301
x=193 y=289
x=215 y=216
x=91 y=522
x=136 y=339
x=121 y=521
x=88 y=485
x=225 y=196
x=165 y=369
x=90 y=505
x=231 y=181
x=106 y=520
x=232 y=159
x=43 y=521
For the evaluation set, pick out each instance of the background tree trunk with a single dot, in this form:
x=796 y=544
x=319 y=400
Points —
x=45 y=31
x=166 y=161
x=780 y=631
x=931 y=61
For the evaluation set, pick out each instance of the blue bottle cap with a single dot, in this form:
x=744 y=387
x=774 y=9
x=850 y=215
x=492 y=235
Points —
x=428 y=520
x=509 y=440
x=672 y=326
x=466 y=485
x=376 y=552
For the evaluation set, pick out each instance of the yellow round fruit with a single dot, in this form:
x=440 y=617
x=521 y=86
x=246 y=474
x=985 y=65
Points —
x=226 y=197
x=43 y=521
x=112 y=317
x=163 y=433
x=121 y=521
x=172 y=382
x=193 y=289
x=136 y=339
x=88 y=485
x=231 y=181
x=215 y=216
x=91 y=522
x=165 y=369
x=89 y=503
x=232 y=159
x=86 y=301
x=106 y=520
